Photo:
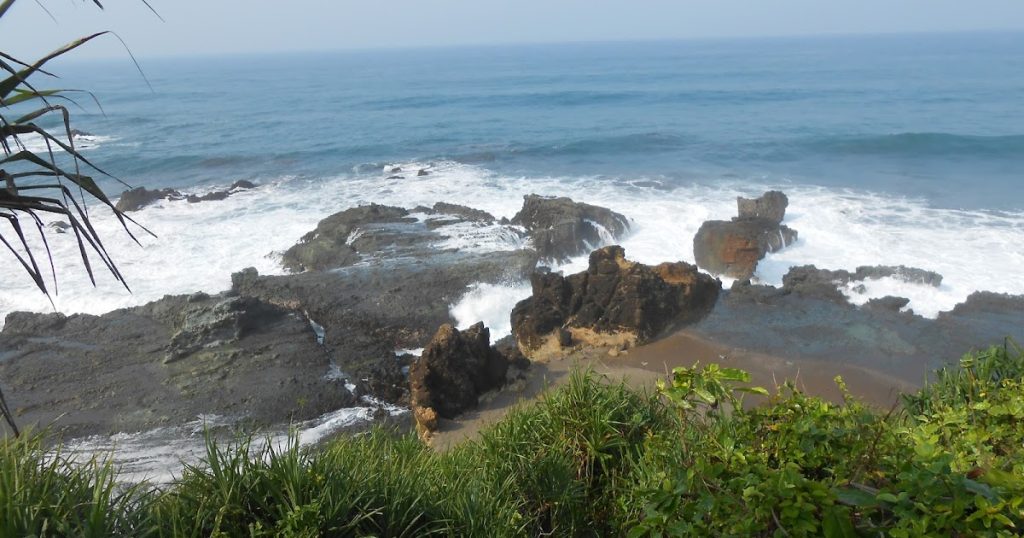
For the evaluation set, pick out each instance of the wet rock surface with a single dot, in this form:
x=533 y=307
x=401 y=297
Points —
x=561 y=228
x=810 y=280
x=368 y=311
x=455 y=369
x=809 y=318
x=614 y=302
x=140 y=197
x=166 y=363
x=733 y=248
x=769 y=206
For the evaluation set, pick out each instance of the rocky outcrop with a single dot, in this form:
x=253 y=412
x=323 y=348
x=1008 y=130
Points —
x=463 y=212
x=733 y=248
x=139 y=197
x=808 y=318
x=560 y=228
x=456 y=367
x=615 y=302
x=808 y=280
x=770 y=206
x=369 y=310
x=337 y=239
x=165 y=363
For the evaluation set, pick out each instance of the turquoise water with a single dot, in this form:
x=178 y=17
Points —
x=893 y=150
x=939 y=117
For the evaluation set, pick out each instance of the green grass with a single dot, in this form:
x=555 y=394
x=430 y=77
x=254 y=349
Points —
x=593 y=458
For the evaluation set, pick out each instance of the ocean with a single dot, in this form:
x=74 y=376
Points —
x=894 y=149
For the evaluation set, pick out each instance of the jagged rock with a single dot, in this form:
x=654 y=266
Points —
x=614 y=302
x=139 y=197
x=560 y=228
x=733 y=248
x=422 y=172
x=214 y=196
x=332 y=243
x=455 y=368
x=808 y=280
x=770 y=205
x=912 y=275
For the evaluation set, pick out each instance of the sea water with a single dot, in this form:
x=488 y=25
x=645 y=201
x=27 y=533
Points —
x=892 y=149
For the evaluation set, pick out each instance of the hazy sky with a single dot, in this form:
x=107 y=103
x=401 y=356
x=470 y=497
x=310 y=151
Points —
x=223 y=26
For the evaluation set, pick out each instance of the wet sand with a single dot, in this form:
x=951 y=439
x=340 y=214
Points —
x=640 y=367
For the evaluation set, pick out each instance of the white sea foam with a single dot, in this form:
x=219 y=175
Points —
x=200 y=245
x=37 y=144
x=157 y=455
x=492 y=304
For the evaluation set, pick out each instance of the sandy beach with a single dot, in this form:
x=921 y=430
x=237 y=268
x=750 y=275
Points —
x=642 y=366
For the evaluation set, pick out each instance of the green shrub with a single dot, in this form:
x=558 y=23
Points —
x=45 y=493
x=593 y=458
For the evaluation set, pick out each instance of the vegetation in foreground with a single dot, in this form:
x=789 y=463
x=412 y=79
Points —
x=592 y=459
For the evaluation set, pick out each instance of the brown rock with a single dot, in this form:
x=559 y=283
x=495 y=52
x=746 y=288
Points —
x=615 y=302
x=455 y=368
x=770 y=205
x=733 y=248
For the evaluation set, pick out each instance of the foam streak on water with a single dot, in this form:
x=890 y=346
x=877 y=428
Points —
x=157 y=456
x=198 y=246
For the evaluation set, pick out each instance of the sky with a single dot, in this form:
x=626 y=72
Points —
x=218 y=27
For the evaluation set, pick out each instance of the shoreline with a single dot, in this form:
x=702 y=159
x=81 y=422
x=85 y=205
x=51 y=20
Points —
x=641 y=366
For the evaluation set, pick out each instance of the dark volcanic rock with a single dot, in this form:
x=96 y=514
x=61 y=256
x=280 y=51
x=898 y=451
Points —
x=139 y=197
x=333 y=243
x=733 y=248
x=810 y=281
x=807 y=318
x=232 y=356
x=561 y=228
x=368 y=311
x=614 y=302
x=455 y=369
x=889 y=303
x=912 y=275
x=461 y=211
x=770 y=205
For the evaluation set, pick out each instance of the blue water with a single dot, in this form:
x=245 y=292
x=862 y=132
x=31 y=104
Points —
x=892 y=149
x=934 y=117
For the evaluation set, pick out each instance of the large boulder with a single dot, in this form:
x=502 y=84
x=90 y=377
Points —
x=456 y=367
x=560 y=228
x=733 y=248
x=615 y=302
x=770 y=205
x=337 y=239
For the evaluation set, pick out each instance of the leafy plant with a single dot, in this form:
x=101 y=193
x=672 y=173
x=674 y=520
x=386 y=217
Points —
x=35 y=183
